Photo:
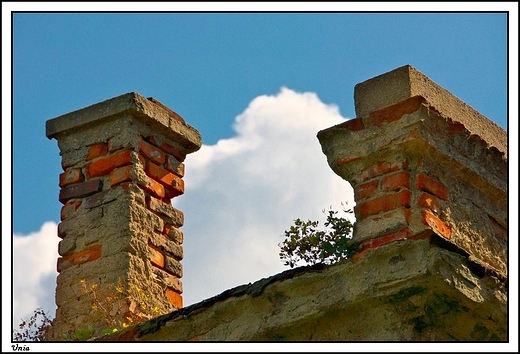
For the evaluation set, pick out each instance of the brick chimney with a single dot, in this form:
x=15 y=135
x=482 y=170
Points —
x=120 y=245
x=423 y=164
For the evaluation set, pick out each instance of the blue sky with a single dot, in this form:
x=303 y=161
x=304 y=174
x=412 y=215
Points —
x=215 y=69
x=208 y=67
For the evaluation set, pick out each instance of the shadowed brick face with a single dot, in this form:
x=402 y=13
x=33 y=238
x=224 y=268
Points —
x=395 y=112
x=87 y=255
x=436 y=224
x=430 y=185
x=80 y=190
x=383 y=203
x=395 y=181
x=366 y=190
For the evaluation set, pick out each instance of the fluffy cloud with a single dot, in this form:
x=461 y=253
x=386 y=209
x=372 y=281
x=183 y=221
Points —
x=243 y=192
x=34 y=272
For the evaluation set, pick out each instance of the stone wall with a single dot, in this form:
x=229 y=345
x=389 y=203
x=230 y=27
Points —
x=409 y=290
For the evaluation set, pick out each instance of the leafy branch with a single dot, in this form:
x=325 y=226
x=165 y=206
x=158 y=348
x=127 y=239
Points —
x=304 y=241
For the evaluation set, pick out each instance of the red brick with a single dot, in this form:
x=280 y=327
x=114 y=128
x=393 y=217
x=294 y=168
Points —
x=385 y=239
x=395 y=181
x=154 y=188
x=407 y=215
x=121 y=174
x=172 y=192
x=384 y=203
x=157 y=258
x=357 y=256
x=456 y=127
x=365 y=190
x=346 y=160
x=174 y=297
x=170 y=149
x=428 y=201
x=395 y=112
x=69 y=209
x=104 y=166
x=173 y=183
x=96 y=151
x=70 y=176
x=436 y=224
x=415 y=134
x=152 y=152
x=352 y=124
x=87 y=255
x=96 y=199
x=174 y=165
x=80 y=190
x=125 y=186
x=430 y=185
x=378 y=170
x=422 y=235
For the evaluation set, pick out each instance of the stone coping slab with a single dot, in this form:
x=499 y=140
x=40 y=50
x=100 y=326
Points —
x=405 y=82
x=132 y=102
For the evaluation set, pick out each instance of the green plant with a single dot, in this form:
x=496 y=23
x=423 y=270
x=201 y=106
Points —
x=138 y=310
x=305 y=242
x=34 y=329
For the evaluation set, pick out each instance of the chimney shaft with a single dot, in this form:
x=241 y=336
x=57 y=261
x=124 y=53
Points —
x=120 y=245
x=423 y=164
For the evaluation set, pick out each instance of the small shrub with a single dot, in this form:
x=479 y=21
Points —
x=108 y=307
x=305 y=242
x=34 y=329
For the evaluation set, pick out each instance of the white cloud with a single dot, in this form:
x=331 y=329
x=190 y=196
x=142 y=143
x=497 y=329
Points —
x=34 y=272
x=243 y=192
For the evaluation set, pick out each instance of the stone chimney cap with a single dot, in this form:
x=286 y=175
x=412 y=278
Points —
x=147 y=108
x=402 y=83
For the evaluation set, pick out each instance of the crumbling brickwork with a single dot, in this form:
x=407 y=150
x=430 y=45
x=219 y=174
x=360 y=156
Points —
x=426 y=164
x=123 y=163
x=430 y=182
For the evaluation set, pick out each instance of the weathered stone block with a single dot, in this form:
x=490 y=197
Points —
x=406 y=82
x=132 y=103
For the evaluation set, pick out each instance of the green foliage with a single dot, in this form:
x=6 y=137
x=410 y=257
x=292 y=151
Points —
x=82 y=334
x=142 y=308
x=305 y=242
x=34 y=329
